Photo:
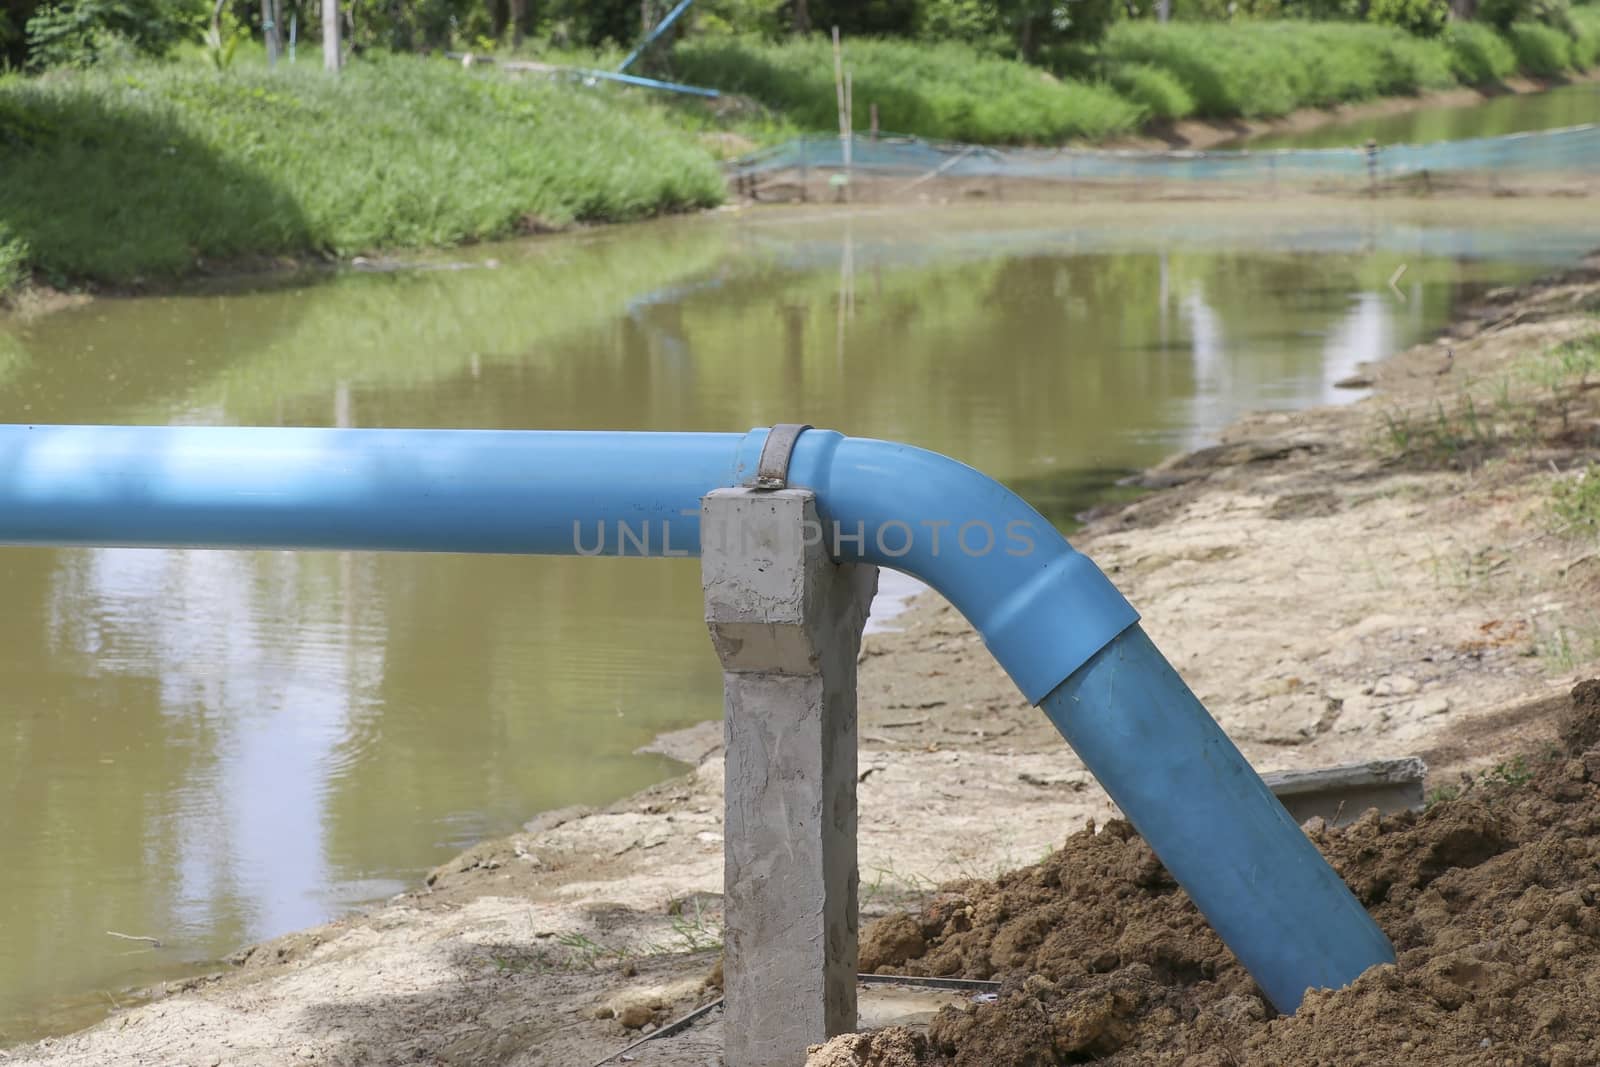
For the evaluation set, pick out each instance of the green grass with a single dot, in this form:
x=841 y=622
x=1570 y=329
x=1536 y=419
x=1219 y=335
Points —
x=946 y=91
x=115 y=175
x=1259 y=69
x=1268 y=69
x=1478 y=55
x=1586 y=42
x=13 y=261
x=1541 y=50
x=1160 y=94
x=1575 y=501
x=120 y=175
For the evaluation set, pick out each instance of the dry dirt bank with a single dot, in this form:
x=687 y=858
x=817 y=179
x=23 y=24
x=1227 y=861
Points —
x=1383 y=579
x=1490 y=898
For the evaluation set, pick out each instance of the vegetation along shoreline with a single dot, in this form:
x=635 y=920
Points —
x=133 y=163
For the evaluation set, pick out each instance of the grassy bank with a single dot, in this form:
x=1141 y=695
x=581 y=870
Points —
x=133 y=173
x=117 y=175
x=944 y=90
x=1143 y=71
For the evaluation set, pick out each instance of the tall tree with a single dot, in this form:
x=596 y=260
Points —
x=271 y=33
x=332 y=60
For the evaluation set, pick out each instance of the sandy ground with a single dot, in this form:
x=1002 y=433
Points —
x=1336 y=584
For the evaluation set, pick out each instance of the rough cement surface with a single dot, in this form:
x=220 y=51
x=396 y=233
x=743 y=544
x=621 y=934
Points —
x=1332 y=598
x=786 y=622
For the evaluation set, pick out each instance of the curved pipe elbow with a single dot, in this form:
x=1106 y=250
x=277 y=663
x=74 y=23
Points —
x=1043 y=608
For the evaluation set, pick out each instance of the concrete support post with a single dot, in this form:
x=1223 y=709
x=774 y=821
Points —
x=786 y=622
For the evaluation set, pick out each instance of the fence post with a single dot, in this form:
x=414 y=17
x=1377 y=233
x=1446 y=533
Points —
x=786 y=622
x=1372 y=168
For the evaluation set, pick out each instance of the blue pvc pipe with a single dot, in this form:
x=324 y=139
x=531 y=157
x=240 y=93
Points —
x=646 y=83
x=1057 y=625
x=1218 y=829
x=661 y=27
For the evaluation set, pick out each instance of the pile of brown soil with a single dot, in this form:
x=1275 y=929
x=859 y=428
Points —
x=1492 y=899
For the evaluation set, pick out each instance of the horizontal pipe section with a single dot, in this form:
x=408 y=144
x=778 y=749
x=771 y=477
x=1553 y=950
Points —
x=1214 y=823
x=1042 y=607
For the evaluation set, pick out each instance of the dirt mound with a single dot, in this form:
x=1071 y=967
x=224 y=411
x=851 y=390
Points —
x=1492 y=899
x=888 y=1048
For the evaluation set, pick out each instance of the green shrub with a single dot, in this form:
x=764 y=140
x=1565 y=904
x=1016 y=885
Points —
x=1222 y=10
x=108 y=177
x=1425 y=18
x=1038 y=25
x=1501 y=14
x=80 y=33
x=1197 y=56
x=941 y=91
x=1478 y=55
x=1585 y=37
x=727 y=17
x=13 y=262
x=1405 y=63
x=1541 y=51
x=1153 y=89
x=976 y=22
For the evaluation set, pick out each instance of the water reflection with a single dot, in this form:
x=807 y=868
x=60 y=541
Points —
x=211 y=748
x=1568 y=105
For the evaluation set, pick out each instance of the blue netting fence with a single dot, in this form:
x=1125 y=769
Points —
x=1546 y=160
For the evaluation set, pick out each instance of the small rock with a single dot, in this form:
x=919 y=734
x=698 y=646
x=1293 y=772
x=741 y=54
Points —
x=1240 y=1008
x=1395 y=685
x=1428 y=706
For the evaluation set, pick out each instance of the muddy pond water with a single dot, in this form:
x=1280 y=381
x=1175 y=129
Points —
x=1569 y=105
x=211 y=748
